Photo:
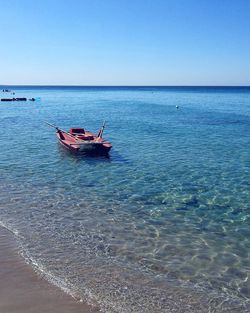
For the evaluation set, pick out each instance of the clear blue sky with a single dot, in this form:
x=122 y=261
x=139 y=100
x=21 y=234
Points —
x=125 y=42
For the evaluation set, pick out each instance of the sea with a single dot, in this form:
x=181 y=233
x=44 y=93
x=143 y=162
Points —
x=162 y=224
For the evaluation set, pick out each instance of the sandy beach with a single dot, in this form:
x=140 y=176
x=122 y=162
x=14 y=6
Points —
x=22 y=290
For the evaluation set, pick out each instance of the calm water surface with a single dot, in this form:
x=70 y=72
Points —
x=160 y=226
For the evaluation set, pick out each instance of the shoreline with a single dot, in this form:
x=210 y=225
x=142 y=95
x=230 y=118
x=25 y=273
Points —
x=22 y=290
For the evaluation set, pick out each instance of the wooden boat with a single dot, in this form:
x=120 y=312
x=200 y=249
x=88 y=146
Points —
x=79 y=140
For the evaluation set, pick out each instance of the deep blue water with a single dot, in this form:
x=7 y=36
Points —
x=160 y=226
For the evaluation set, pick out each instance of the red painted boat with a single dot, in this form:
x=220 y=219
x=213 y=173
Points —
x=79 y=140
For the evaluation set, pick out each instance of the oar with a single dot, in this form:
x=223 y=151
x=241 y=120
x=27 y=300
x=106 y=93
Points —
x=51 y=125
x=101 y=130
x=58 y=129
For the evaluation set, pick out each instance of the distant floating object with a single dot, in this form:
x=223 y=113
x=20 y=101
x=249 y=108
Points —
x=14 y=99
x=177 y=107
x=19 y=99
x=6 y=99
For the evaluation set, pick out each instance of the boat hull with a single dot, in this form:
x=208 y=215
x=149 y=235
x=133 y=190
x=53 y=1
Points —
x=88 y=147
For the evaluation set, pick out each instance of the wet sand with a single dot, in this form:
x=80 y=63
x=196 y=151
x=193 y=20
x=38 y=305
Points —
x=22 y=290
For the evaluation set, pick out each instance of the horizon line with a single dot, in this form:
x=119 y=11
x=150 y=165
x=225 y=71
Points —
x=62 y=85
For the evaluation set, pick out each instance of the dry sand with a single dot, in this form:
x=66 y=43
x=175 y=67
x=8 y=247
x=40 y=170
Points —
x=22 y=290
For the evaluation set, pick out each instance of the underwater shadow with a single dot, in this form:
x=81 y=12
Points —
x=112 y=156
x=64 y=153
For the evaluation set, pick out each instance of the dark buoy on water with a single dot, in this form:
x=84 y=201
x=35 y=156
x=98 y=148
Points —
x=177 y=107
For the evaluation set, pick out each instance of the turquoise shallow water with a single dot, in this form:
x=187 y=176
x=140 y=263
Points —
x=160 y=226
